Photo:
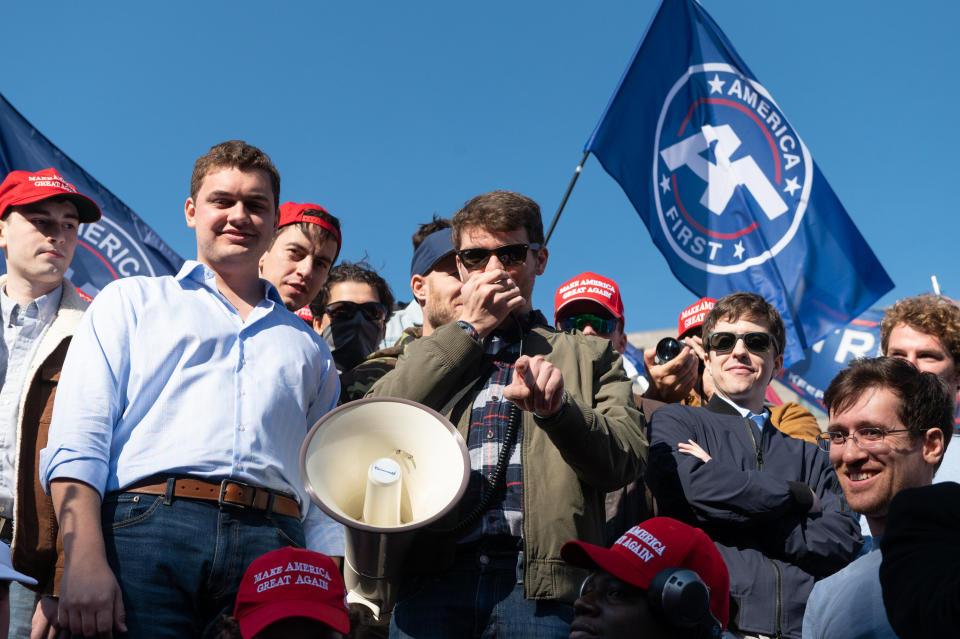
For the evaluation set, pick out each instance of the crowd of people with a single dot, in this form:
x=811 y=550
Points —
x=150 y=481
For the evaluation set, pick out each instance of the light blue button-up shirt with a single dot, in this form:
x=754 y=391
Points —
x=163 y=377
x=23 y=326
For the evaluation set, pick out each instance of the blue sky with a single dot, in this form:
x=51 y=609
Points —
x=387 y=113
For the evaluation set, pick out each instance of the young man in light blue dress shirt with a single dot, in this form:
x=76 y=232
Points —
x=173 y=453
x=40 y=216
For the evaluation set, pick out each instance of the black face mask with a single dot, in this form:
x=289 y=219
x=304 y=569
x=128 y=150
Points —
x=352 y=340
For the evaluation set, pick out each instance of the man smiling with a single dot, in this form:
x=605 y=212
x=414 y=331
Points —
x=889 y=427
x=771 y=502
x=173 y=452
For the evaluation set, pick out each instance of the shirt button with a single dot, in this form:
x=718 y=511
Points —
x=484 y=560
x=489 y=434
x=241 y=428
x=239 y=466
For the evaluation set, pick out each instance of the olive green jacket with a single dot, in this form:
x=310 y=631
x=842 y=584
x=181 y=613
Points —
x=594 y=445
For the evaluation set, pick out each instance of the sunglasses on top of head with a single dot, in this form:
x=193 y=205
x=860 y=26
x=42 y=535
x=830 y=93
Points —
x=724 y=342
x=474 y=259
x=345 y=311
x=600 y=325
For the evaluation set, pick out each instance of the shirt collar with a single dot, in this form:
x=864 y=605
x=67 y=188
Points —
x=47 y=305
x=204 y=275
x=744 y=412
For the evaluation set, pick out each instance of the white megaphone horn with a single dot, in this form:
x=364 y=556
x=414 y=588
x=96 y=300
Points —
x=383 y=467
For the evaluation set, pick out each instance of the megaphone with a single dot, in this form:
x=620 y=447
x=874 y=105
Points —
x=384 y=468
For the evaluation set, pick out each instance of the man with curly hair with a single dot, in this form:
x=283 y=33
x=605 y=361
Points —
x=925 y=330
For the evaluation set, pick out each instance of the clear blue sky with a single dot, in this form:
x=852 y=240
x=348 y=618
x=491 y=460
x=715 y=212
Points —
x=386 y=113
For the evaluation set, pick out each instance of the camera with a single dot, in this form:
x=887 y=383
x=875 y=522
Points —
x=667 y=349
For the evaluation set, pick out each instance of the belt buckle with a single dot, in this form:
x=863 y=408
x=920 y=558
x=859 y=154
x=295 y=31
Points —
x=223 y=491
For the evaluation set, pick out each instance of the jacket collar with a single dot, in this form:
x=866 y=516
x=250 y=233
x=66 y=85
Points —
x=718 y=405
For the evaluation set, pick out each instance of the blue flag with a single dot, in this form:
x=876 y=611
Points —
x=810 y=376
x=726 y=187
x=120 y=244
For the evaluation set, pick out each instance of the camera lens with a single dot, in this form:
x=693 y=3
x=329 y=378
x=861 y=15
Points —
x=667 y=349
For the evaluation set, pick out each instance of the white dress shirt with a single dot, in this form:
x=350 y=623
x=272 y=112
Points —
x=163 y=377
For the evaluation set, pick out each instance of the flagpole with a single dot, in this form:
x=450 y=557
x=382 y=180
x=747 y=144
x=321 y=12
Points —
x=566 y=196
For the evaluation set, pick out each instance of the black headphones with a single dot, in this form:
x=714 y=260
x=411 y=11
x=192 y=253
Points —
x=681 y=598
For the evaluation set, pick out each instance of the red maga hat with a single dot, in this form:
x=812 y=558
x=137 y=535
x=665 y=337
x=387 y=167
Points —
x=590 y=287
x=291 y=582
x=291 y=212
x=23 y=187
x=656 y=544
x=692 y=316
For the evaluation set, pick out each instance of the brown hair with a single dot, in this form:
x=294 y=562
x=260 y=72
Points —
x=437 y=224
x=925 y=400
x=932 y=314
x=234 y=154
x=499 y=211
x=750 y=306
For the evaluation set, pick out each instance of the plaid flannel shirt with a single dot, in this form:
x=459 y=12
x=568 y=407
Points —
x=489 y=417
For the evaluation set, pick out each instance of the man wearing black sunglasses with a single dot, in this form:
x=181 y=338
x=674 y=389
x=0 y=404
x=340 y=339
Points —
x=771 y=502
x=550 y=425
x=351 y=312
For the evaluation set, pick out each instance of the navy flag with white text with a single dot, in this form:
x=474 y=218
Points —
x=120 y=244
x=725 y=185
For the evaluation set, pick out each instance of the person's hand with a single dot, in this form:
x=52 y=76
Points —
x=672 y=381
x=693 y=448
x=696 y=343
x=707 y=387
x=537 y=386
x=44 y=624
x=90 y=600
x=488 y=297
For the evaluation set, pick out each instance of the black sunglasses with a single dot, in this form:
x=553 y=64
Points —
x=601 y=325
x=474 y=259
x=345 y=311
x=724 y=342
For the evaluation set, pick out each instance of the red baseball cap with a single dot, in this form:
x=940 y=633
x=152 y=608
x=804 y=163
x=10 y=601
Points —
x=591 y=287
x=23 y=187
x=656 y=544
x=692 y=316
x=291 y=582
x=291 y=212
x=305 y=314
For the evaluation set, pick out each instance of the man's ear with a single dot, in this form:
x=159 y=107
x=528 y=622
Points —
x=3 y=235
x=542 y=256
x=933 y=446
x=261 y=261
x=190 y=212
x=777 y=366
x=418 y=285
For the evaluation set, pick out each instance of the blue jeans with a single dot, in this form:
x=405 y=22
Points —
x=179 y=565
x=23 y=603
x=480 y=596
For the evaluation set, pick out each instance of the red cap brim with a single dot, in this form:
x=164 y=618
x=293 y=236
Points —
x=253 y=621
x=591 y=557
